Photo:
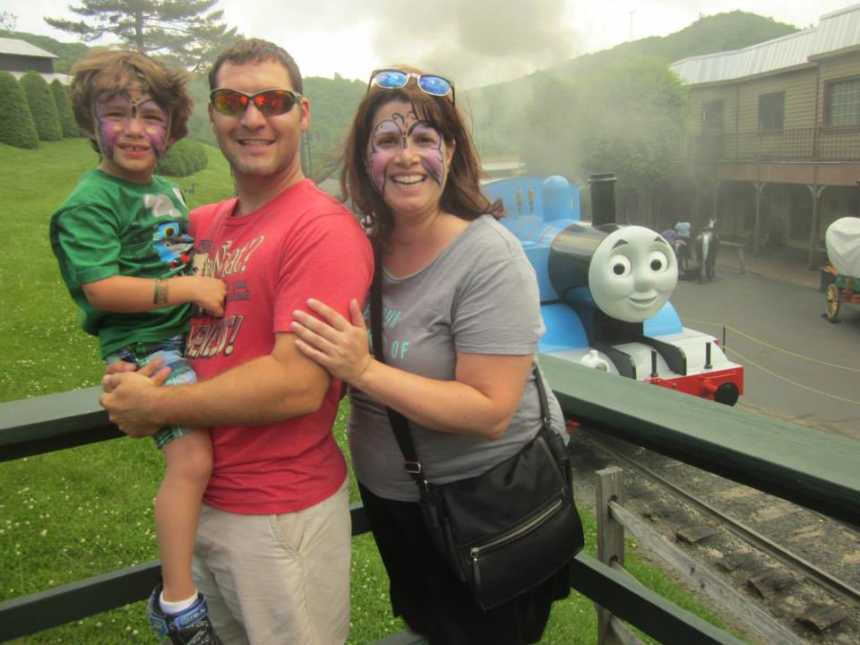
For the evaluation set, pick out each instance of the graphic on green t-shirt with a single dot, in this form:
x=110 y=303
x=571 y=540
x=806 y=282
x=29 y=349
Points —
x=109 y=227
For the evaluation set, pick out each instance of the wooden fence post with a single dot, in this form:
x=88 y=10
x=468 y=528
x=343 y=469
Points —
x=610 y=540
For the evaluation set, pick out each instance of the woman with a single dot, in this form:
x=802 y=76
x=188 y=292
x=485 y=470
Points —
x=461 y=322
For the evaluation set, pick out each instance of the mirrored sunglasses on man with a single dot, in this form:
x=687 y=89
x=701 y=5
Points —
x=268 y=102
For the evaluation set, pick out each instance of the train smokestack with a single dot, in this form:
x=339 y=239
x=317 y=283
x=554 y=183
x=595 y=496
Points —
x=602 y=198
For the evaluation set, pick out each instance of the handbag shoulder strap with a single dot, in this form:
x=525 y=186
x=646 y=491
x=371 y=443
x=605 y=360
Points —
x=544 y=404
x=399 y=423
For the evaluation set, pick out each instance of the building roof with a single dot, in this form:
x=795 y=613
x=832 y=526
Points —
x=836 y=32
x=22 y=48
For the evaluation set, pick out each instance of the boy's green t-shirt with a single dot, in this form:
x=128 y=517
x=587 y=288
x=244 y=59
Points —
x=109 y=227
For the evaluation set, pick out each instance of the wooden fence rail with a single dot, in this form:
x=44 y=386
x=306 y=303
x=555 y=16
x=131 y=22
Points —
x=614 y=519
x=810 y=468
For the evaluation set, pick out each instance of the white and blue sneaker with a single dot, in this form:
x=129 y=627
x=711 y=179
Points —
x=191 y=626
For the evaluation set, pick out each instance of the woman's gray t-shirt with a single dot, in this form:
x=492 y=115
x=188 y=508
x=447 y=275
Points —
x=479 y=296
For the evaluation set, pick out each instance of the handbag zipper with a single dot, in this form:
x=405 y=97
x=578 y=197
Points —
x=475 y=551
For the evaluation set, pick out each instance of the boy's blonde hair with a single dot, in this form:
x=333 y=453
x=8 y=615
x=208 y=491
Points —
x=110 y=71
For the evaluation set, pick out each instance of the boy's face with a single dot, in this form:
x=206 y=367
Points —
x=132 y=132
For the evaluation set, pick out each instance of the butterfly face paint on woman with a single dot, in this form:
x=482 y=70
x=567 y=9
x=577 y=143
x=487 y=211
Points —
x=398 y=131
x=131 y=121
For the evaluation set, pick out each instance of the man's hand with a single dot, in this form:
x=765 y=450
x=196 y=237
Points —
x=130 y=397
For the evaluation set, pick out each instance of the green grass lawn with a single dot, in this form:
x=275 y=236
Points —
x=80 y=512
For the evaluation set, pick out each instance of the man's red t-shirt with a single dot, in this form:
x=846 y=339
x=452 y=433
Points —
x=302 y=244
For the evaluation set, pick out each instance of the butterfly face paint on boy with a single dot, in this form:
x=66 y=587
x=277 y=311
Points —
x=398 y=135
x=131 y=122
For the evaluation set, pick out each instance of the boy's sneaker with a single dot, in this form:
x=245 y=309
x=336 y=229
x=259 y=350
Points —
x=191 y=626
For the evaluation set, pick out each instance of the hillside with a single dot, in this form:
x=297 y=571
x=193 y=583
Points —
x=720 y=32
x=498 y=108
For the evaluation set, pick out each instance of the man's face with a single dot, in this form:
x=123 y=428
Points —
x=256 y=145
x=132 y=132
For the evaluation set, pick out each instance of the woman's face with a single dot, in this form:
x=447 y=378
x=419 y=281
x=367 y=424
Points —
x=407 y=159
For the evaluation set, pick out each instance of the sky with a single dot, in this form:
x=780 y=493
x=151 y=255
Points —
x=474 y=42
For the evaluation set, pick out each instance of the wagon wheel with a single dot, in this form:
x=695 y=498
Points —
x=831 y=308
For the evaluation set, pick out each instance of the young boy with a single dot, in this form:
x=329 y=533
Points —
x=123 y=249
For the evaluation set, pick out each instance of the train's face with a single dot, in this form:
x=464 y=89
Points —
x=632 y=273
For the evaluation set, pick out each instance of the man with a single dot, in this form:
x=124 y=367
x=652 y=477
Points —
x=272 y=551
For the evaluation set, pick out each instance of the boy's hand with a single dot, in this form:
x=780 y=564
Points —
x=209 y=294
x=118 y=367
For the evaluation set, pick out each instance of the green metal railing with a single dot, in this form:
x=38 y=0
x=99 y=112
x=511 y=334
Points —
x=810 y=468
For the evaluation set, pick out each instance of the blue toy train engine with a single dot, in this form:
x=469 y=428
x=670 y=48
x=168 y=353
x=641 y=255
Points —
x=605 y=289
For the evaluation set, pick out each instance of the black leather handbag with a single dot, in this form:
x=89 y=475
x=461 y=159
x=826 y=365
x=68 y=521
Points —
x=509 y=529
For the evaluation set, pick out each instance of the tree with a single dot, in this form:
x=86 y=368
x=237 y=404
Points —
x=16 y=122
x=200 y=44
x=64 y=108
x=184 y=158
x=183 y=31
x=626 y=118
x=42 y=107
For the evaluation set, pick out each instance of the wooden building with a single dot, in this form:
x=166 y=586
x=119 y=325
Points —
x=19 y=57
x=773 y=134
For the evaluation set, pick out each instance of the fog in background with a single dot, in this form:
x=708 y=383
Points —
x=479 y=43
x=472 y=41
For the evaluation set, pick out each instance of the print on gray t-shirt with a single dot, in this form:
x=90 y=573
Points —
x=479 y=296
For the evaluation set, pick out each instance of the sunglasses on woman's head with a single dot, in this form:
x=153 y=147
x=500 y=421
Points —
x=394 y=79
x=268 y=102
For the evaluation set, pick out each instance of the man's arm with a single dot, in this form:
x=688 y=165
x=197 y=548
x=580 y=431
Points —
x=268 y=389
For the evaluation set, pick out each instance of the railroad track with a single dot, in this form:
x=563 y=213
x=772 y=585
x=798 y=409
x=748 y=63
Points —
x=804 y=567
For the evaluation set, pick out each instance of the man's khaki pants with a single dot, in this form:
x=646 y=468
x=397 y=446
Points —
x=277 y=579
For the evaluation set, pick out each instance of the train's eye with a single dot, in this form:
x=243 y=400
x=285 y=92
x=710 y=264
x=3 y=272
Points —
x=620 y=265
x=658 y=261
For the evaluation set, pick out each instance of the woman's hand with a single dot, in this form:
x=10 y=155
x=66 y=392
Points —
x=334 y=342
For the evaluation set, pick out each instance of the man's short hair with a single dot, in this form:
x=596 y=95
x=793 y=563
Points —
x=256 y=50
x=106 y=71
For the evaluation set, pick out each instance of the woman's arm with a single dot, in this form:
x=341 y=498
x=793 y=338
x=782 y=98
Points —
x=481 y=400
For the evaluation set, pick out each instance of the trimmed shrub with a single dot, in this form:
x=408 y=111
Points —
x=42 y=107
x=185 y=158
x=16 y=122
x=64 y=109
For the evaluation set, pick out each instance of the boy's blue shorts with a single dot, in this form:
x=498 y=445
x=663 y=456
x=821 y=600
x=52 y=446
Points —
x=171 y=353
